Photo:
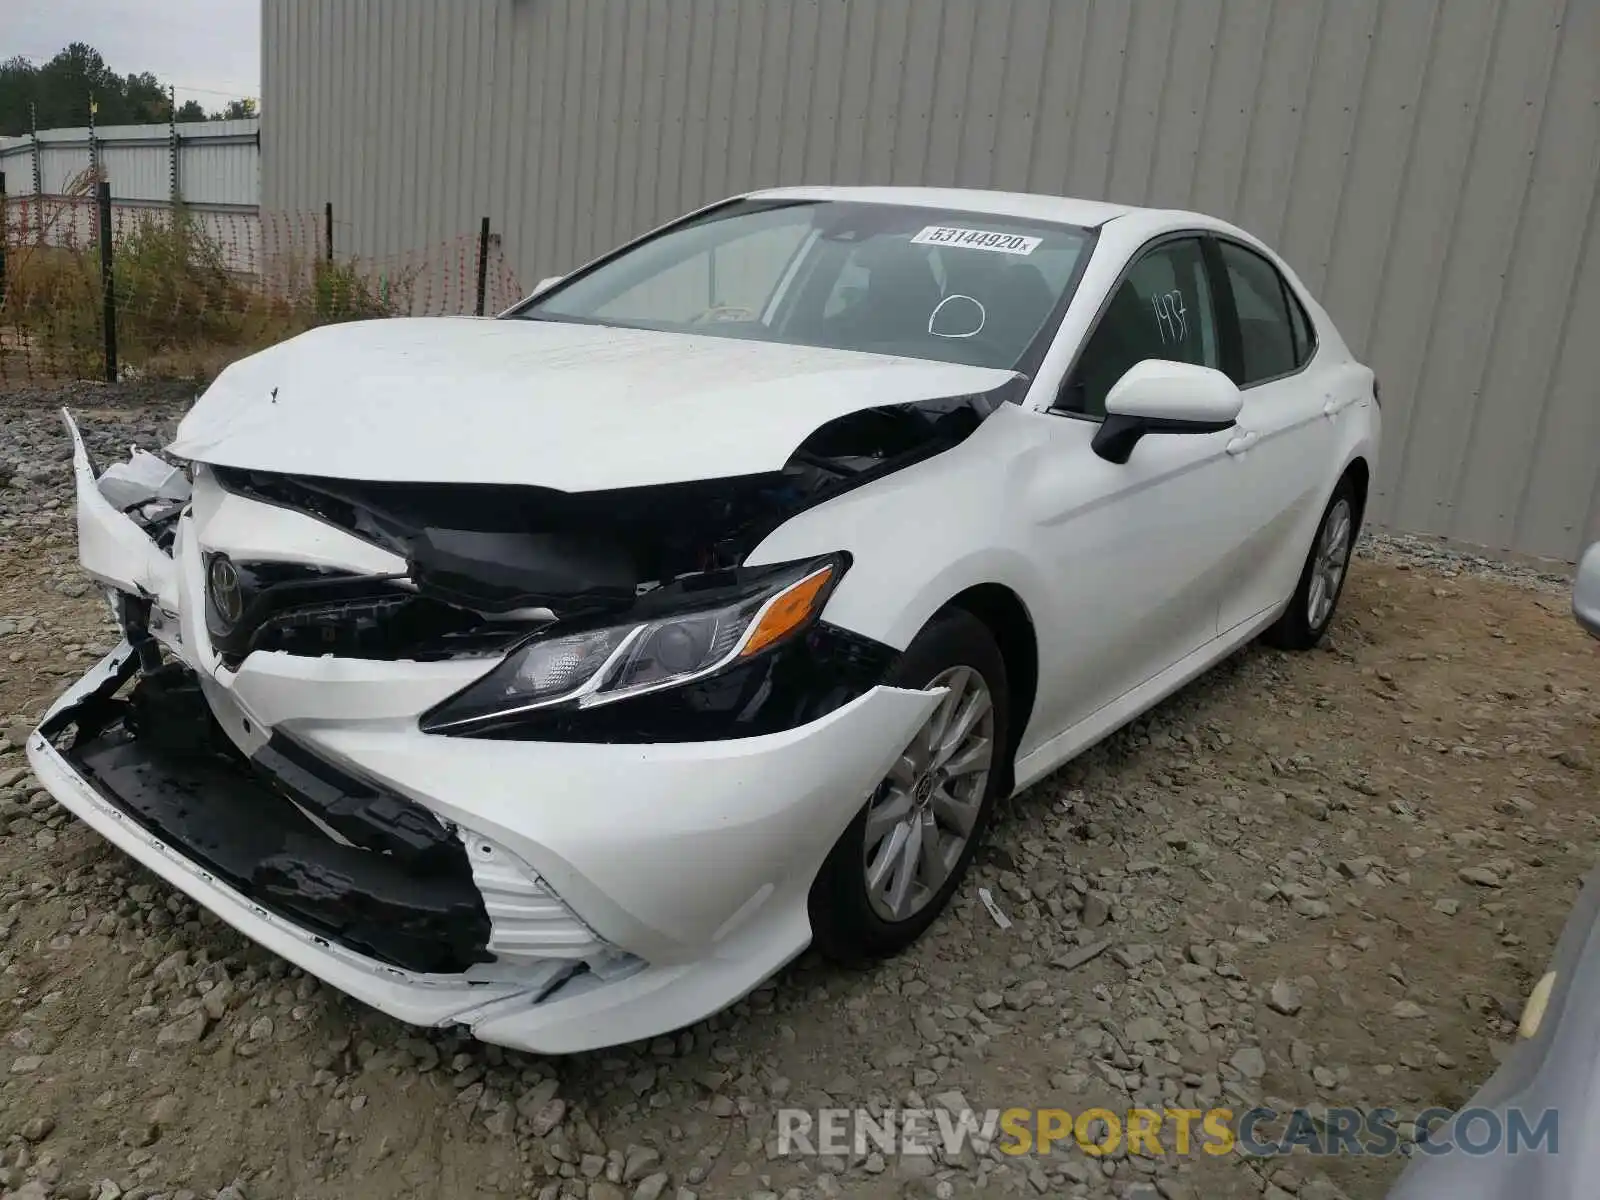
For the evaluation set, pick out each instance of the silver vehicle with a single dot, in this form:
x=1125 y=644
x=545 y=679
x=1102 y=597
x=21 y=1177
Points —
x=1586 y=595
x=1529 y=1131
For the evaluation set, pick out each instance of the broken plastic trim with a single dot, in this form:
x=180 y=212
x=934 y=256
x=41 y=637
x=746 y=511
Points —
x=312 y=611
x=388 y=887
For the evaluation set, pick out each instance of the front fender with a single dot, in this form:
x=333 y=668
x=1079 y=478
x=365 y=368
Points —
x=923 y=535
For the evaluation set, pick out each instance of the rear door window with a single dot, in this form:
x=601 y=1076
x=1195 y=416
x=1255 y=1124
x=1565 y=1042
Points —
x=1274 y=332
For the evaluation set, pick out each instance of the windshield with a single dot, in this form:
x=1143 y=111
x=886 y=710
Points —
x=963 y=287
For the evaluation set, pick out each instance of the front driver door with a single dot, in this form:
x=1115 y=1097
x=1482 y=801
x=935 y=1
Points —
x=1134 y=548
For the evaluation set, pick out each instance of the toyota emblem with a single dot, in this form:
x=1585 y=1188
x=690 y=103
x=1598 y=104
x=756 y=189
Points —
x=222 y=584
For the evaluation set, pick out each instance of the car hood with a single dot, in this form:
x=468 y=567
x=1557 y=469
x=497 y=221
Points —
x=573 y=407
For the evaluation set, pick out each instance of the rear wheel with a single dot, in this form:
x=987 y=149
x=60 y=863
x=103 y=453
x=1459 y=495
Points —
x=1310 y=611
x=898 y=862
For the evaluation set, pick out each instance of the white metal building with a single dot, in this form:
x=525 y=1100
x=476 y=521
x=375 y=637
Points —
x=1428 y=166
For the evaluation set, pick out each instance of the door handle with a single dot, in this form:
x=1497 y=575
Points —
x=1333 y=407
x=1243 y=442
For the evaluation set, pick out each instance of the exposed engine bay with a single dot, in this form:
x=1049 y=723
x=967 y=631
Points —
x=487 y=565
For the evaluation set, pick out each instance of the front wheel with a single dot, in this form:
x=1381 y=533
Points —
x=1310 y=610
x=899 y=861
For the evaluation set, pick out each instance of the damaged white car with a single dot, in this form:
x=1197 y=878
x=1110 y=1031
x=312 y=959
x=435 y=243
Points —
x=562 y=675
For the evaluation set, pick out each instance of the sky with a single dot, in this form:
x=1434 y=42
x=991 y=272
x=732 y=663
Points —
x=209 y=49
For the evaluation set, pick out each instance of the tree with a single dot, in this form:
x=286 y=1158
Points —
x=236 y=110
x=63 y=89
x=18 y=78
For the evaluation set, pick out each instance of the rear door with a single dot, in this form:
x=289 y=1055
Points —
x=1278 y=470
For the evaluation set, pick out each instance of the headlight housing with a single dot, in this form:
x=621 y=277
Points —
x=696 y=636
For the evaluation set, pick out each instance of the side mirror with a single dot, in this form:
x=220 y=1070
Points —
x=1157 y=396
x=1586 y=592
x=546 y=283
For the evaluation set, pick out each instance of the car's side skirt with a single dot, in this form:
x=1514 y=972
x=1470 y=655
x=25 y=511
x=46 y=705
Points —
x=1109 y=718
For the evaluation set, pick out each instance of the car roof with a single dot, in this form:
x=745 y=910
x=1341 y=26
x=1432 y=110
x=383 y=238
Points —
x=1065 y=209
x=1140 y=222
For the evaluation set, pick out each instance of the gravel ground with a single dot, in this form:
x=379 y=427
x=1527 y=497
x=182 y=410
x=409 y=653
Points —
x=1327 y=878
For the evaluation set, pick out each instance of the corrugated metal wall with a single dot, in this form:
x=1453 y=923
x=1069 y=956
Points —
x=1429 y=166
x=219 y=162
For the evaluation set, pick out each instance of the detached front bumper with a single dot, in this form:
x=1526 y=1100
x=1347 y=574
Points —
x=690 y=864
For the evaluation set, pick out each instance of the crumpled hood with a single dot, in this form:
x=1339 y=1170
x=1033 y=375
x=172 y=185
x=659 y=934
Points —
x=566 y=406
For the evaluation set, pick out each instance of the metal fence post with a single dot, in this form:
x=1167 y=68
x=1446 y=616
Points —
x=327 y=228
x=173 y=145
x=5 y=230
x=94 y=146
x=38 y=170
x=483 y=265
x=108 y=311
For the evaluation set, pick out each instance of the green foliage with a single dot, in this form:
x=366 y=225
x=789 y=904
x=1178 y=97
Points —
x=180 y=312
x=340 y=292
x=173 y=288
x=62 y=89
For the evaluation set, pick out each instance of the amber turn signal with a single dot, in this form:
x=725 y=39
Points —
x=788 y=611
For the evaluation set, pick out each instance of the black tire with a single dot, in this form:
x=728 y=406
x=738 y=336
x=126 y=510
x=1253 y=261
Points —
x=844 y=925
x=1295 y=629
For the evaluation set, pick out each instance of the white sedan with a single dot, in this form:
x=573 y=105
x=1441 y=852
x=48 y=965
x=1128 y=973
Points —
x=563 y=675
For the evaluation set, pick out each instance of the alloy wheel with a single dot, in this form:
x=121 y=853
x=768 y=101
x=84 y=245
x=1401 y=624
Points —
x=1332 y=558
x=924 y=813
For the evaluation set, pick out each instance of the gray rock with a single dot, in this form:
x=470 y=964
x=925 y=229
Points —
x=1249 y=1062
x=36 y=1129
x=1407 y=1010
x=1284 y=997
x=215 y=1001
x=424 y=1054
x=536 y=1097
x=1314 y=807
x=1134 y=955
x=185 y=1031
x=1074 y=959
x=547 y=1117
x=1145 y=1029
x=640 y=1161
x=652 y=1186
x=1096 y=910
x=164 y=1110
x=1482 y=876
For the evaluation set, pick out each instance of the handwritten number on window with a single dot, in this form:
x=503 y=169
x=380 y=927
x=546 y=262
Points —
x=1172 y=317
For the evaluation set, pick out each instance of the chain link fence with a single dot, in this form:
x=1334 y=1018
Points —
x=97 y=289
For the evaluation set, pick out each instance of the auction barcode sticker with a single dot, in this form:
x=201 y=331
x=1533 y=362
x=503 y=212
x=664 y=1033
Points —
x=976 y=239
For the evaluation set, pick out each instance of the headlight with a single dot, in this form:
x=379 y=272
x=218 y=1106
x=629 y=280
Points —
x=602 y=666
